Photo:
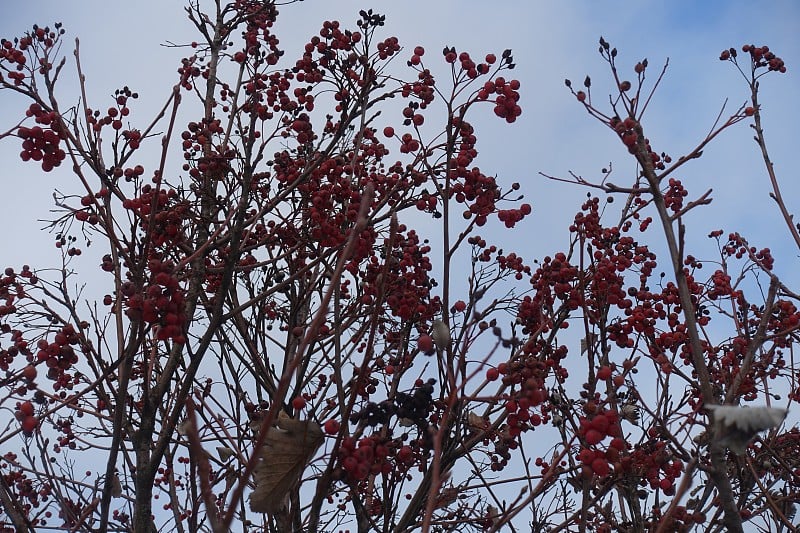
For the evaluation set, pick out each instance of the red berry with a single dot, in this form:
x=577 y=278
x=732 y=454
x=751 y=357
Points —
x=29 y=423
x=388 y=131
x=618 y=443
x=604 y=372
x=26 y=408
x=298 y=403
x=593 y=437
x=425 y=343
x=332 y=427
x=492 y=374
x=404 y=454
x=29 y=372
x=600 y=423
x=600 y=467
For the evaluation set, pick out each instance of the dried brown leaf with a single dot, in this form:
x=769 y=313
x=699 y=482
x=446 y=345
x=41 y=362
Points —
x=446 y=496
x=476 y=422
x=116 y=487
x=288 y=448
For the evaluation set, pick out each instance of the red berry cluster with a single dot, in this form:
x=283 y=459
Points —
x=629 y=131
x=300 y=128
x=654 y=464
x=514 y=263
x=133 y=138
x=406 y=283
x=388 y=47
x=162 y=212
x=167 y=477
x=679 y=519
x=599 y=463
x=625 y=130
x=507 y=99
x=329 y=198
x=416 y=58
x=737 y=246
x=527 y=376
x=471 y=186
x=423 y=90
x=201 y=161
x=595 y=428
x=761 y=57
x=15 y=56
x=14 y=52
x=674 y=195
x=468 y=66
x=25 y=415
x=11 y=290
x=113 y=115
x=7 y=355
x=370 y=456
x=408 y=144
x=427 y=202
x=260 y=18
x=335 y=38
x=59 y=356
x=161 y=303
x=67 y=439
x=305 y=69
x=510 y=217
x=189 y=70
x=481 y=251
x=88 y=201
x=130 y=174
x=601 y=424
x=721 y=286
x=24 y=488
x=785 y=316
x=42 y=144
x=554 y=279
x=335 y=49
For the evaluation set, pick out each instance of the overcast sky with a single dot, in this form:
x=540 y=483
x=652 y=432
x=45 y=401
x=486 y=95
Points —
x=121 y=45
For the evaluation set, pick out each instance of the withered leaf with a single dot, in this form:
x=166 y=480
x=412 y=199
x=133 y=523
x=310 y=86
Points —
x=446 y=496
x=225 y=453
x=116 y=487
x=476 y=422
x=288 y=448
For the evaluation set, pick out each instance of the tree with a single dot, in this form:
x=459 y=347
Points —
x=275 y=346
